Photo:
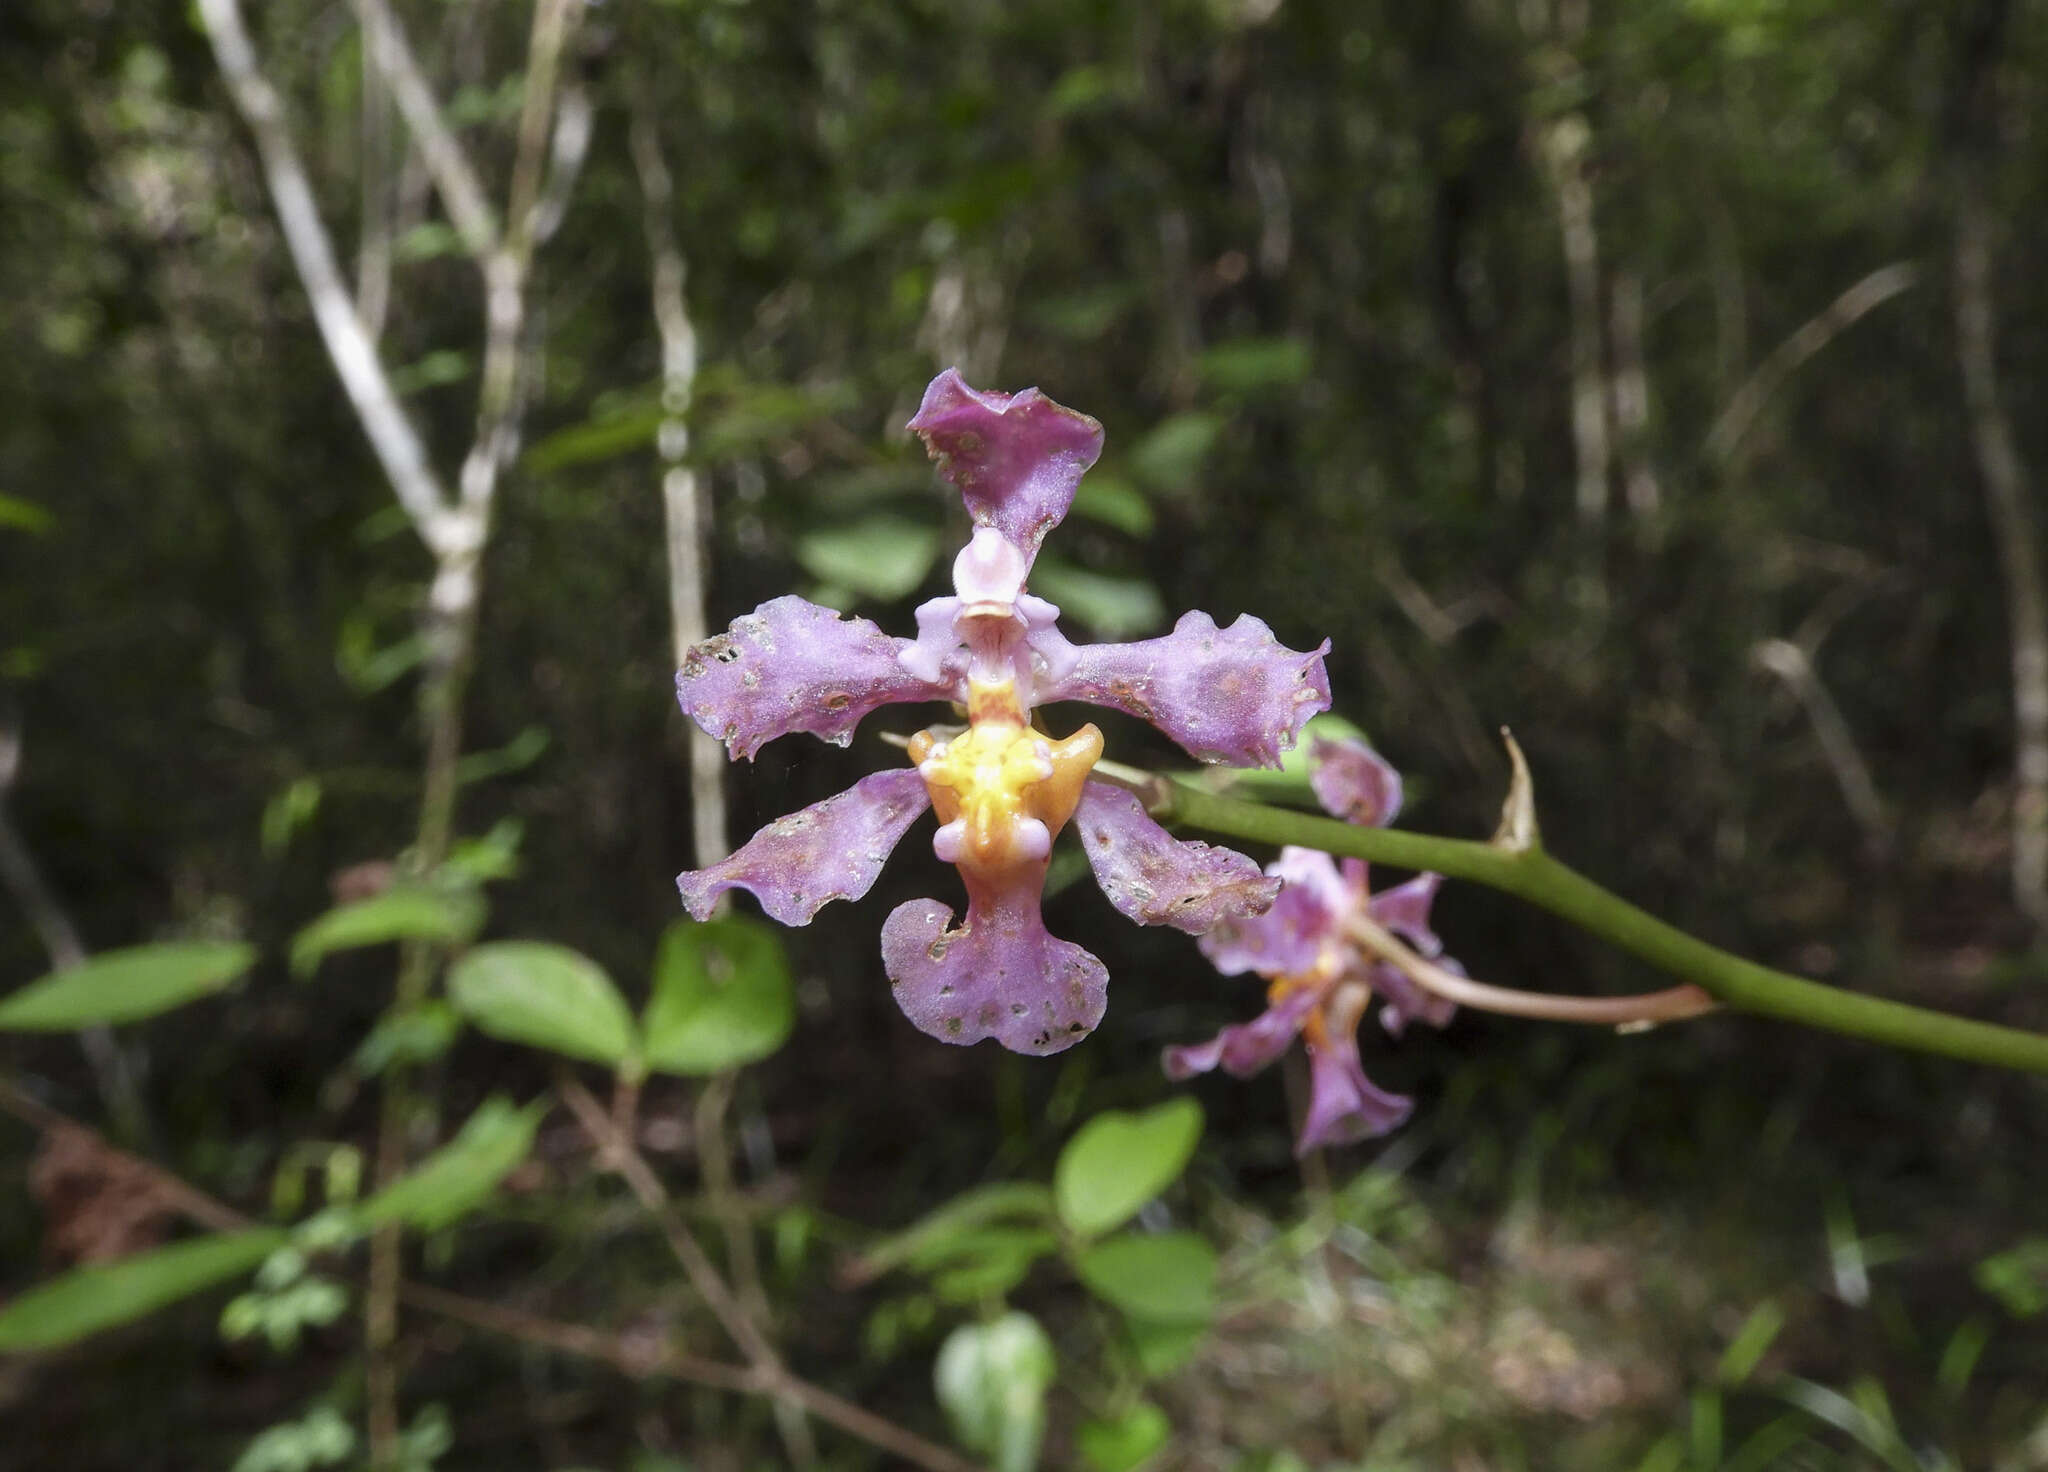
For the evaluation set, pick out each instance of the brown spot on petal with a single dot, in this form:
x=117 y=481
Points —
x=838 y=700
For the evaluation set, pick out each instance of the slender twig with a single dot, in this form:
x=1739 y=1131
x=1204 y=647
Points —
x=1732 y=426
x=1791 y=664
x=1533 y=875
x=624 y=1156
x=1672 y=1005
x=113 y=1076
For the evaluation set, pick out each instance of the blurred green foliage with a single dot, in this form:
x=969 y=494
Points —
x=1304 y=261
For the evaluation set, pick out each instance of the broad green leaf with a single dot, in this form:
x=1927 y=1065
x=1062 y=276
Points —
x=1119 y=1161
x=445 y=914
x=1171 y=456
x=722 y=996
x=412 y=1035
x=992 y=1378
x=461 y=1174
x=1126 y=1442
x=290 y=810
x=1252 y=364
x=87 y=1300
x=546 y=996
x=883 y=557
x=1169 y=1278
x=1115 y=607
x=967 y=1212
x=125 y=985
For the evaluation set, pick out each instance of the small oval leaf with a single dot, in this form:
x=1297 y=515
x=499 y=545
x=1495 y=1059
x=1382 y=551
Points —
x=404 y=912
x=545 y=996
x=1126 y=1442
x=1119 y=1161
x=126 y=985
x=459 y=1175
x=722 y=996
x=88 y=1300
x=992 y=1379
x=1169 y=1279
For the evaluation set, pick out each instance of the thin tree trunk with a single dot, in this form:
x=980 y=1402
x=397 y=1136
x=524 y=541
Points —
x=2013 y=526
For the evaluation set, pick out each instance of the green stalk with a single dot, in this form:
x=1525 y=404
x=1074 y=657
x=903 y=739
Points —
x=1533 y=875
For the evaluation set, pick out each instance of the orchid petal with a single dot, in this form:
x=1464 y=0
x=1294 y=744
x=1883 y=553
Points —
x=1157 y=879
x=1354 y=782
x=999 y=975
x=1404 y=909
x=1233 y=695
x=1243 y=1048
x=1017 y=458
x=1406 y=1002
x=790 y=666
x=1288 y=939
x=831 y=850
x=1344 y=1106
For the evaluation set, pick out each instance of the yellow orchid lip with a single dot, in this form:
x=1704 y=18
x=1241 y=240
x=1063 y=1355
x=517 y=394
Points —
x=1002 y=791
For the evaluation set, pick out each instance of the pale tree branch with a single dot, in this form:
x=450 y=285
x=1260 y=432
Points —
x=681 y=497
x=455 y=180
x=392 y=437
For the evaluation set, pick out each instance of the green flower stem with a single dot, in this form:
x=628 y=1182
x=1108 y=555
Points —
x=1533 y=875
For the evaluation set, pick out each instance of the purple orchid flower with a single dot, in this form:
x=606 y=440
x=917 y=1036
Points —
x=1321 y=981
x=1002 y=788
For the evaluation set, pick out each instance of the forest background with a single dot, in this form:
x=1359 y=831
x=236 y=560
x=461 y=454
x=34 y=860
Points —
x=1662 y=380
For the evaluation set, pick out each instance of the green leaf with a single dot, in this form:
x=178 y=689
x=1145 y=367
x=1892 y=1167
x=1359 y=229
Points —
x=623 y=430
x=882 y=557
x=722 y=996
x=1169 y=1278
x=992 y=1378
x=461 y=1174
x=25 y=516
x=1125 y=1443
x=1255 y=363
x=1160 y=1349
x=125 y=985
x=414 y=1035
x=546 y=996
x=2018 y=1277
x=290 y=810
x=445 y=914
x=1171 y=456
x=1118 y=1161
x=1114 y=501
x=1115 y=607
x=1002 y=1200
x=88 y=1300
x=1758 y=1332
